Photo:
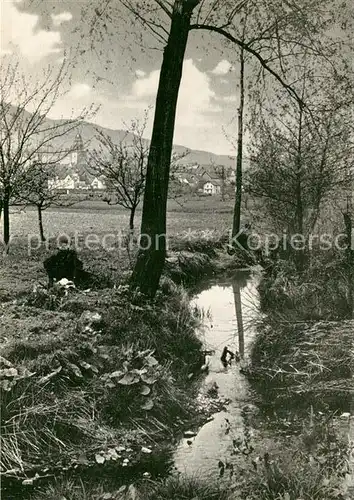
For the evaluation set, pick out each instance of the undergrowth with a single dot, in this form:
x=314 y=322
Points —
x=318 y=292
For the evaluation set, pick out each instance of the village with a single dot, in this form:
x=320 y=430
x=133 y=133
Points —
x=73 y=175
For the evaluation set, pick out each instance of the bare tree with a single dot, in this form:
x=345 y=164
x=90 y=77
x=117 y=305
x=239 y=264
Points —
x=171 y=22
x=239 y=155
x=220 y=171
x=42 y=192
x=123 y=166
x=300 y=156
x=26 y=130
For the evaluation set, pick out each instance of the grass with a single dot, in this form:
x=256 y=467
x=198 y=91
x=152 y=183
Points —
x=107 y=220
x=304 y=345
x=63 y=399
x=308 y=363
x=65 y=407
x=174 y=488
x=319 y=292
x=311 y=466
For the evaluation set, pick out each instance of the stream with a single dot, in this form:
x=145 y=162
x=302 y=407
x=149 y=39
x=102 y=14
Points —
x=230 y=310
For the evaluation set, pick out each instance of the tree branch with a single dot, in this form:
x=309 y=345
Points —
x=245 y=46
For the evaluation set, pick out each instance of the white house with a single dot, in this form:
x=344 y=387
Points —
x=212 y=187
x=66 y=183
x=98 y=183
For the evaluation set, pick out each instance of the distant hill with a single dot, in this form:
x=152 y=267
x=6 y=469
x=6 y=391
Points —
x=88 y=134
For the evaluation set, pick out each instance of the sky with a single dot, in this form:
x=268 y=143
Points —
x=119 y=70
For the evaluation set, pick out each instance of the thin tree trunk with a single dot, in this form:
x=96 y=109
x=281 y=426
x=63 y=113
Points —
x=6 y=216
x=299 y=205
x=40 y=222
x=131 y=219
x=223 y=175
x=299 y=210
x=152 y=251
x=1 y=205
x=238 y=181
x=350 y=262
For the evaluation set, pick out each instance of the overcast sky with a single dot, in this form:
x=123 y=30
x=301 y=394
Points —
x=120 y=74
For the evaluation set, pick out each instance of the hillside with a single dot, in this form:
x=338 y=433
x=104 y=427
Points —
x=88 y=133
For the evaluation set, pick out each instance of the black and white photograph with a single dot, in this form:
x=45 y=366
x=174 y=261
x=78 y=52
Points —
x=177 y=249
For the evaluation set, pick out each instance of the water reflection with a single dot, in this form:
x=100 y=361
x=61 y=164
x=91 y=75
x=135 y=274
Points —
x=238 y=312
x=233 y=306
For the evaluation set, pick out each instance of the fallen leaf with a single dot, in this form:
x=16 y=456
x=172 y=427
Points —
x=116 y=374
x=5 y=362
x=75 y=369
x=7 y=385
x=107 y=496
x=27 y=482
x=8 y=372
x=145 y=390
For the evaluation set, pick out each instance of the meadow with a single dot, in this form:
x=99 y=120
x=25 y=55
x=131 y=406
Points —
x=99 y=218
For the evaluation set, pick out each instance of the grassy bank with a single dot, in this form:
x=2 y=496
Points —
x=304 y=344
x=93 y=379
x=318 y=292
x=87 y=374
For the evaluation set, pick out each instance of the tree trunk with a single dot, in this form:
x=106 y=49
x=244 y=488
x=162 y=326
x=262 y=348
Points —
x=299 y=210
x=151 y=256
x=40 y=222
x=299 y=206
x=6 y=216
x=350 y=262
x=223 y=175
x=1 y=205
x=131 y=219
x=238 y=187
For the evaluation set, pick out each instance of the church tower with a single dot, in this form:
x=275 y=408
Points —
x=78 y=155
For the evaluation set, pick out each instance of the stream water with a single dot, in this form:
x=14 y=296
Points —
x=231 y=309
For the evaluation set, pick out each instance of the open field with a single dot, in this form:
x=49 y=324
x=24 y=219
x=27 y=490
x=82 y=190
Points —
x=100 y=218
